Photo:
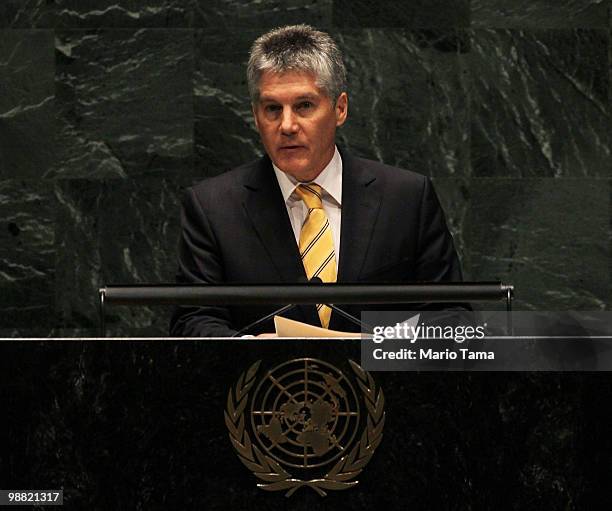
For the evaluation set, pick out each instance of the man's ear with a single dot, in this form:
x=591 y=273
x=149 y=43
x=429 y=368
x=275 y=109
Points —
x=341 y=109
x=253 y=108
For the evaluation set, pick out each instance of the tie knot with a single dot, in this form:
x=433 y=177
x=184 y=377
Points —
x=311 y=195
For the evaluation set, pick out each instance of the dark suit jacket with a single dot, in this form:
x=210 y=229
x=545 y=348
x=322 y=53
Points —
x=235 y=229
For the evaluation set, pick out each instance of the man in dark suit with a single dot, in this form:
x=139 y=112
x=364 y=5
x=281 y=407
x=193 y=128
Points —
x=306 y=209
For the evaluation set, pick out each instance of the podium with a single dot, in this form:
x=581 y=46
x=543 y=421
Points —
x=273 y=424
x=141 y=424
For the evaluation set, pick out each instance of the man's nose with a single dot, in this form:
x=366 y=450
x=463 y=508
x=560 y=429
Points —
x=289 y=124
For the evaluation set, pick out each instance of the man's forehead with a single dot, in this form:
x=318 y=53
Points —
x=279 y=97
x=299 y=84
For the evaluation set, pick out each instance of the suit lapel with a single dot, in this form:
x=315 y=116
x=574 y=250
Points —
x=361 y=198
x=266 y=210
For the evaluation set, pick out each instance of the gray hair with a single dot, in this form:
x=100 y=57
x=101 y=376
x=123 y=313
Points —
x=297 y=48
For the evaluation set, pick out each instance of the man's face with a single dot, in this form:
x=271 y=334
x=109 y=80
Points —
x=297 y=122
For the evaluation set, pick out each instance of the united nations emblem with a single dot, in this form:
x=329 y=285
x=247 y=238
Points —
x=305 y=419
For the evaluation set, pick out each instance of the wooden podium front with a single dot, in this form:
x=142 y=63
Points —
x=199 y=423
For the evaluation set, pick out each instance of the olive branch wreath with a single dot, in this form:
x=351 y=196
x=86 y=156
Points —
x=342 y=474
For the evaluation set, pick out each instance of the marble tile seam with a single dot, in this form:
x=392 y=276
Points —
x=216 y=31
x=26 y=29
x=123 y=29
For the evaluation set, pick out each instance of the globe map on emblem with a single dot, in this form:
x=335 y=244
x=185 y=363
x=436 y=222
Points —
x=305 y=413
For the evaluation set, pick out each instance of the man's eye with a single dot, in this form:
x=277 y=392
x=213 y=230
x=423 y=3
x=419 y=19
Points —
x=272 y=108
x=305 y=105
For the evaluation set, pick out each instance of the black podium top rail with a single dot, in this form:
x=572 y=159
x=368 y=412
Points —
x=235 y=294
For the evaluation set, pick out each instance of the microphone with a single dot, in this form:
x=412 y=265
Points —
x=284 y=308
x=344 y=314
x=264 y=319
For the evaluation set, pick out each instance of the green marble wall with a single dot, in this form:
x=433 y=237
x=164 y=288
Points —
x=109 y=109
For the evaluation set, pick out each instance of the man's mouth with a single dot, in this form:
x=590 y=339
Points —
x=291 y=147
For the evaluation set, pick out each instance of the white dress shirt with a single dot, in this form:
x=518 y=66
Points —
x=330 y=181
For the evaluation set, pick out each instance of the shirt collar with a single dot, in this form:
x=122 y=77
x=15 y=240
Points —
x=330 y=179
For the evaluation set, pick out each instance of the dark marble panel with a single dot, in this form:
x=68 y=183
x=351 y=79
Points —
x=27 y=256
x=28 y=13
x=27 y=115
x=454 y=195
x=391 y=13
x=540 y=13
x=261 y=13
x=540 y=104
x=225 y=134
x=550 y=238
x=408 y=99
x=115 y=232
x=124 y=102
x=110 y=13
x=191 y=13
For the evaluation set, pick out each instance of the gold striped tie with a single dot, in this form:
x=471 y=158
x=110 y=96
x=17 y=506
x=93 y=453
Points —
x=316 y=243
